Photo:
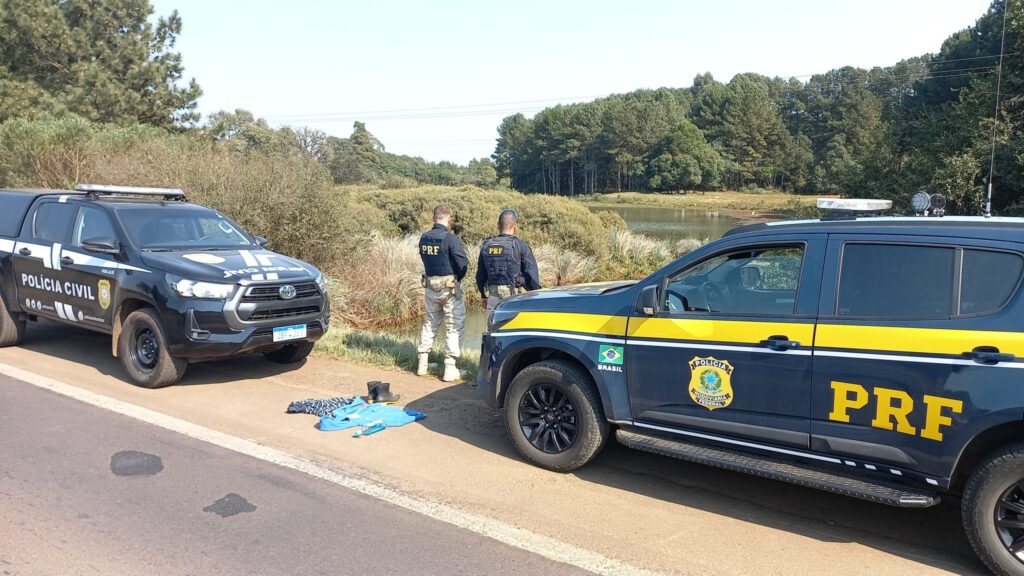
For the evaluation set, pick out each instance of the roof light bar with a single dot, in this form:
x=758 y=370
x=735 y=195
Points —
x=109 y=189
x=854 y=204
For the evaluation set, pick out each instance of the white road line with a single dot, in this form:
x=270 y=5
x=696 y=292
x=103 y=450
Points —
x=503 y=532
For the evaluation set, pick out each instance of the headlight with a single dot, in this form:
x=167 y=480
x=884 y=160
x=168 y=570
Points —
x=321 y=282
x=193 y=289
x=501 y=317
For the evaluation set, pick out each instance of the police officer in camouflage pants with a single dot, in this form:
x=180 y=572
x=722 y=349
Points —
x=444 y=263
x=506 y=264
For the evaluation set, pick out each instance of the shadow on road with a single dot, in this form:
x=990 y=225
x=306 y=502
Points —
x=93 y=349
x=932 y=536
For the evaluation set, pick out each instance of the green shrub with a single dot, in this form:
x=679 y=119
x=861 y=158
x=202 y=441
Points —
x=542 y=219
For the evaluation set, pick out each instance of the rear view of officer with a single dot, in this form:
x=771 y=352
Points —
x=506 y=264
x=444 y=263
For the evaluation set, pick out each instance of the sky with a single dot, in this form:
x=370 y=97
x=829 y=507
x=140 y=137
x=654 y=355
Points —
x=435 y=78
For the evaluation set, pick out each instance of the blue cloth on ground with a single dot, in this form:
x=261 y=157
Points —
x=359 y=413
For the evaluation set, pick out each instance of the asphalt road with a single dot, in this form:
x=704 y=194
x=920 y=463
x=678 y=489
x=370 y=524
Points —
x=85 y=491
x=637 y=509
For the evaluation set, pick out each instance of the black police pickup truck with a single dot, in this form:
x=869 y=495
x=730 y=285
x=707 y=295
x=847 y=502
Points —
x=171 y=282
x=880 y=358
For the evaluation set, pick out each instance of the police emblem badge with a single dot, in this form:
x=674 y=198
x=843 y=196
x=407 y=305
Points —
x=710 y=384
x=103 y=293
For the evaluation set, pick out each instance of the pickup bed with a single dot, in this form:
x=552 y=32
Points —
x=171 y=282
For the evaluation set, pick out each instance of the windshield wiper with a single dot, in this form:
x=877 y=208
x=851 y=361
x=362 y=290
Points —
x=158 y=249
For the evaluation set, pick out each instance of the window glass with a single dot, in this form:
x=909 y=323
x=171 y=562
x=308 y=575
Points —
x=92 y=224
x=892 y=281
x=988 y=280
x=175 y=227
x=751 y=281
x=52 y=222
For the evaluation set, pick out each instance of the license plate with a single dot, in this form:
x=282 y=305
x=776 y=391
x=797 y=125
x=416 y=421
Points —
x=289 y=332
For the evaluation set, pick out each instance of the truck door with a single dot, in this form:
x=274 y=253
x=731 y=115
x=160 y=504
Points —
x=93 y=282
x=729 y=352
x=916 y=349
x=37 y=261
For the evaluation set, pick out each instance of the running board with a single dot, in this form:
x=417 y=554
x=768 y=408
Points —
x=737 y=461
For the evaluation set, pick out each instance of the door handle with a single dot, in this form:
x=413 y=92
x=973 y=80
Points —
x=67 y=260
x=25 y=251
x=989 y=355
x=779 y=343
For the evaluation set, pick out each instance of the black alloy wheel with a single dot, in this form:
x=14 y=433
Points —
x=1009 y=519
x=548 y=418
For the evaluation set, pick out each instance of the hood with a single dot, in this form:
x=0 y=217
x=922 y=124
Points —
x=591 y=289
x=565 y=297
x=229 y=266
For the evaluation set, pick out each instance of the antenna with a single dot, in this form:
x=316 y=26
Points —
x=995 y=117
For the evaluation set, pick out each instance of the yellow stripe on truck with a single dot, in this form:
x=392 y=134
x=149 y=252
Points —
x=585 y=323
x=921 y=340
x=744 y=332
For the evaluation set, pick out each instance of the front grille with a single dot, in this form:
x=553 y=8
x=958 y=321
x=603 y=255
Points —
x=284 y=313
x=270 y=293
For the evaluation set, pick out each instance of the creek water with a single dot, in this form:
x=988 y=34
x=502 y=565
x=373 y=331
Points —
x=660 y=223
x=676 y=223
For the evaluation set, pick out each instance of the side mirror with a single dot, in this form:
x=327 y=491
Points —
x=649 y=300
x=102 y=245
x=261 y=241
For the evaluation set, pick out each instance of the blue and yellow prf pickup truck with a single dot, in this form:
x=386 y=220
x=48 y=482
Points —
x=880 y=358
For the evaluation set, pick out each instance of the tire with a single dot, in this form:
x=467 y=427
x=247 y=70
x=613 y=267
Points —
x=996 y=492
x=290 y=354
x=12 y=329
x=547 y=438
x=142 y=347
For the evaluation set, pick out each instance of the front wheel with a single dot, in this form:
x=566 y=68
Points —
x=290 y=354
x=553 y=416
x=142 y=347
x=993 y=511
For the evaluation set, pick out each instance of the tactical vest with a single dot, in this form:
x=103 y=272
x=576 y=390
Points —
x=502 y=261
x=433 y=253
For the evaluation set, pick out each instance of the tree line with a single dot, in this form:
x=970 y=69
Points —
x=922 y=123
x=112 y=62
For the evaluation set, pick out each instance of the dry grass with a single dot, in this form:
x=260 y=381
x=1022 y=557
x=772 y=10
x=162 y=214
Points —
x=387 y=350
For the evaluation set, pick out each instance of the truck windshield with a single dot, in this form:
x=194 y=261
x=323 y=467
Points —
x=167 y=228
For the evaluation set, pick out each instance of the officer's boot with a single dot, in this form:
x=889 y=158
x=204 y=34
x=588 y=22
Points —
x=451 y=372
x=421 y=363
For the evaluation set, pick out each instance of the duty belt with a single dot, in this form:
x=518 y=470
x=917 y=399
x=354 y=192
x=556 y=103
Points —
x=499 y=290
x=439 y=283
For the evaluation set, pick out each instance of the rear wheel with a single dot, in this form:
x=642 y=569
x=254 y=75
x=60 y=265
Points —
x=993 y=511
x=553 y=416
x=12 y=328
x=142 y=347
x=291 y=353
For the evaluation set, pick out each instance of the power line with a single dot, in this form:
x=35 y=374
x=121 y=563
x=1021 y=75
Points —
x=494 y=108
x=429 y=109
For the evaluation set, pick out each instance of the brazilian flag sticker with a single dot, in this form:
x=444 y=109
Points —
x=610 y=355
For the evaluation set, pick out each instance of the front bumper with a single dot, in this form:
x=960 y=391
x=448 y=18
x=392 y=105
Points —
x=487 y=376
x=208 y=329
x=247 y=341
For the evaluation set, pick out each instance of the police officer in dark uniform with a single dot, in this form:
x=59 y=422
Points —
x=445 y=264
x=506 y=264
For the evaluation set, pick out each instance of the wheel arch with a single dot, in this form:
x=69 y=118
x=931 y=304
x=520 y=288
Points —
x=124 y=308
x=981 y=445
x=516 y=360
